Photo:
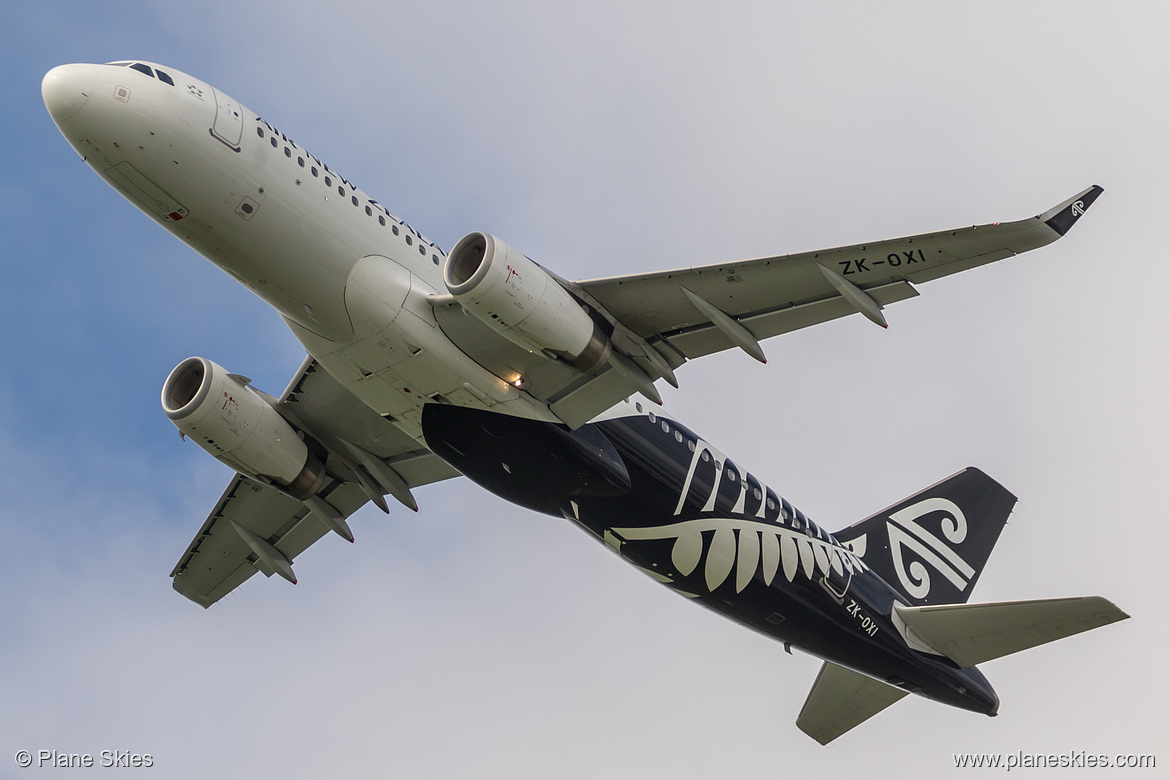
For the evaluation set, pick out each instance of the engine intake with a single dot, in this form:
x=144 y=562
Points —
x=238 y=426
x=522 y=302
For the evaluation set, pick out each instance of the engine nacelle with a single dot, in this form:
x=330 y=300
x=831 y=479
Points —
x=518 y=299
x=239 y=427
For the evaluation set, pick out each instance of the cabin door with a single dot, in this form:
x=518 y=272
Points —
x=229 y=124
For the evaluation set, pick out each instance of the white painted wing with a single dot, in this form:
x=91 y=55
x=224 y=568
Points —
x=841 y=699
x=774 y=295
x=219 y=559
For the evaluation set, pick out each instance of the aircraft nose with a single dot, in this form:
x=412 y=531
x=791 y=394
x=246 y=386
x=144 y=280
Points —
x=66 y=88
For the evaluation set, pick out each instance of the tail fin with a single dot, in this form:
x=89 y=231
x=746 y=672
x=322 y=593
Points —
x=932 y=546
x=970 y=634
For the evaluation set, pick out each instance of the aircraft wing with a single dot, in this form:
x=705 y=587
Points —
x=661 y=320
x=254 y=527
x=689 y=312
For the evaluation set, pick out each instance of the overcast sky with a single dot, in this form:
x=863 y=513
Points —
x=475 y=639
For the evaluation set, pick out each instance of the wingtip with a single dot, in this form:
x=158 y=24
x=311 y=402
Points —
x=1063 y=217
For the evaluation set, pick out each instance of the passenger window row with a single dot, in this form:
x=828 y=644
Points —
x=165 y=77
x=786 y=513
x=382 y=213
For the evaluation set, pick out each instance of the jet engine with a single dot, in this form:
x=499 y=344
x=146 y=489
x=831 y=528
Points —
x=240 y=427
x=522 y=302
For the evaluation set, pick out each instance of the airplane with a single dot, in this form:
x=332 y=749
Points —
x=423 y=365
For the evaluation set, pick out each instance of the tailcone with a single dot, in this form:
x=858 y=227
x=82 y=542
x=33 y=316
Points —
x=978 y=694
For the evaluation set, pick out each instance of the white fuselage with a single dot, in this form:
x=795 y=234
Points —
x=350 y=279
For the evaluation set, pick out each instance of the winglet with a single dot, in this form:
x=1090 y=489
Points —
x=1063 y=217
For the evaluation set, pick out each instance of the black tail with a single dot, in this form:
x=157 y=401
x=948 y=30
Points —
x=932 y=546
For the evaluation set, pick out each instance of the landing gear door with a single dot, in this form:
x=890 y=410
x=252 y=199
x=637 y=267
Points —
x=229 y=124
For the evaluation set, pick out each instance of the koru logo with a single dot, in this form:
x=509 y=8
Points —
x=906 y=534
x=1078 y=208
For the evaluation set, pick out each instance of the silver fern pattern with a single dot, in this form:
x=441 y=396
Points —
x=746 y=547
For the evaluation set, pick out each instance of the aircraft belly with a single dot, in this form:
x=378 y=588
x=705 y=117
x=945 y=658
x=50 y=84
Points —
x=278 y=245
x=528 y=462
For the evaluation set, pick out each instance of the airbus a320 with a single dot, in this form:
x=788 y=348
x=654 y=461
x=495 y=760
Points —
x=423 y=365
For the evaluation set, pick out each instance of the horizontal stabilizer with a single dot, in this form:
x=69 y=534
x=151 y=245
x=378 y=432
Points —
x=970 y=634
x=841 y=699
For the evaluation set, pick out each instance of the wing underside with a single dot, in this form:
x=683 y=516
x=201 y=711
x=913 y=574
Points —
x=255 y=527
x=775 y=295
x=659 y=321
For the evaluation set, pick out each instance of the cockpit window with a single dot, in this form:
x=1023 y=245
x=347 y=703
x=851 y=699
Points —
x=163 y=76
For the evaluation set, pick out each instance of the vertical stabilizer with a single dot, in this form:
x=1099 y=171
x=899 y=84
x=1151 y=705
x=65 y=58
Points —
x=932 y=546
